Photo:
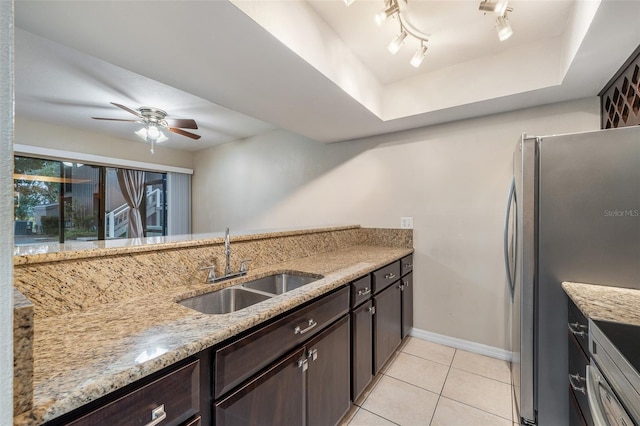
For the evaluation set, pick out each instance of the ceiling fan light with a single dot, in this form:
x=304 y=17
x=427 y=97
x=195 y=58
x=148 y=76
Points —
x=396 y=44
x=161 y=138
x=418 y=57
x=142 y=133
x=503 y=28
x=385 y=13
x=151 y=133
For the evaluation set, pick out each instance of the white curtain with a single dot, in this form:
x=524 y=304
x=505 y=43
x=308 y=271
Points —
x=178 y=203
x=132 y=186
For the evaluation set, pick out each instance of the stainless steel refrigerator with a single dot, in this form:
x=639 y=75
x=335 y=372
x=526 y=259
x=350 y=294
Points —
x=573 y=215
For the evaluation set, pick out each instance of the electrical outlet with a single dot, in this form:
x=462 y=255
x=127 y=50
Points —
x=406 y=222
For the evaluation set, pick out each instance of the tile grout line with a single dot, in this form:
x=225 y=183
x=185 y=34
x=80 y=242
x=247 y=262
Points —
x=476 y=408
x=382 y=417
x=442 y=388
x=481 y=375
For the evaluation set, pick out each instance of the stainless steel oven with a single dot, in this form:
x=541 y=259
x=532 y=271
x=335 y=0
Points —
x=613 y=381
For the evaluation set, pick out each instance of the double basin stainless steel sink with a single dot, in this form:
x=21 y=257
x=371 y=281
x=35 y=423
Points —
x=243 y=295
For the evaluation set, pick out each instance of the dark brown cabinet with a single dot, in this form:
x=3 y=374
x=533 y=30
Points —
x=173 y=398
x=327 y=386
x=240 y=359
x=393 y=307
x=274 y=397
x=407 y=304
x=309 y=386
x=361 y=348
x=386 y=324
x=578 y=335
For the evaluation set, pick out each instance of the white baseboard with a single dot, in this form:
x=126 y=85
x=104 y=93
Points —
x=466 y=345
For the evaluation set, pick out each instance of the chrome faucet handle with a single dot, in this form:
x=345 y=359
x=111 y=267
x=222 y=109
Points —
x=211 y=276
x=243 y=265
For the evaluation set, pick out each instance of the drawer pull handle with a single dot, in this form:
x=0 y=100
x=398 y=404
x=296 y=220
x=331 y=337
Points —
x=406 y=283
x=577 y=388
x=310 y=325
x=364 y=291
x=408 y=265
x=575 y=329
x=157 y=415
x=372 y=310
x=390 y=276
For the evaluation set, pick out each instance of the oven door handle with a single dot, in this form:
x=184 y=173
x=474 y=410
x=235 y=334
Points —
x=592 y=397
x=597 y=387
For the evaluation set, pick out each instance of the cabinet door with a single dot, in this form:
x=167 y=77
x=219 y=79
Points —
x=407 y=304
x=274 y=397
x=386 y=324
x=361 y=348
x=328 y=376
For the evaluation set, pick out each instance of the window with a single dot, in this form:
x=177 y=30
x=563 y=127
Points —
x=62 y=201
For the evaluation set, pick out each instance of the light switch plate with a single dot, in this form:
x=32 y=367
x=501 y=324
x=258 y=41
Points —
x=406 y=222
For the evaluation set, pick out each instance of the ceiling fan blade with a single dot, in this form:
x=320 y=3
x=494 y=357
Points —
x=183 y=123
x=183 y=133
x=116 y=119
x=134 y=112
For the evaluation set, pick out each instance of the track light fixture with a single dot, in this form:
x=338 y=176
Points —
x=397 y=42
x=418 y=57
x=389 y=9
x=503 y=28
x=500 y=8
x=399 y=8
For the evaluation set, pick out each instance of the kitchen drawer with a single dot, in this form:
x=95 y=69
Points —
x=578 y=326
x=384 y=277
x=360 y=290
x=242 y=358
x=577 y=376
x=406 y=265
x=178 y=391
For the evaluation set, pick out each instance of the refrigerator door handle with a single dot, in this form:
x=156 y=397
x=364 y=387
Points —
x=507 y=263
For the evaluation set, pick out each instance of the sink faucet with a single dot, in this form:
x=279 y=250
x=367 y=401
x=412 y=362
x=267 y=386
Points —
x=211 y=277
x=227 y=251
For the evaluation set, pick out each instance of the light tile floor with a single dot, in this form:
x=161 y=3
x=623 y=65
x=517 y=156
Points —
x=430 y=384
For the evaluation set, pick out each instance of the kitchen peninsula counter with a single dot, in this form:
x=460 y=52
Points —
x=605 y=303
x=84 y=354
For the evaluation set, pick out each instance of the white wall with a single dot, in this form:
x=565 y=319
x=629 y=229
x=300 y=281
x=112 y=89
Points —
x=6 y=212
x=47 y=135
x=452 y=178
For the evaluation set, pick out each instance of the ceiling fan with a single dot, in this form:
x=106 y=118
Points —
x=153 y=118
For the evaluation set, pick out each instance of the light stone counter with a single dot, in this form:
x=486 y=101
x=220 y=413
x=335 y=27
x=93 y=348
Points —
x=605 y=303
x=81 y=356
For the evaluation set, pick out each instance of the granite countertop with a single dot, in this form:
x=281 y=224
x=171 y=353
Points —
x=605 y=303
x=79 y=357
